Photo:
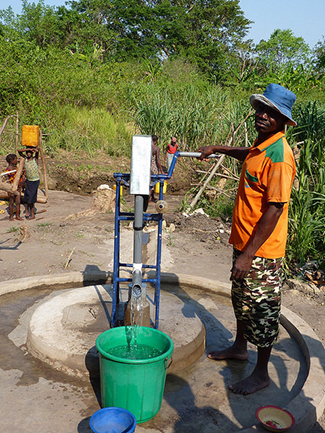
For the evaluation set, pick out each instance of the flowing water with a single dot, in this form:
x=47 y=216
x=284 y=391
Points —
x=141 y=351
x=132 y=350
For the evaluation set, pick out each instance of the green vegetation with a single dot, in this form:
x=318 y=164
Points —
x=13 y=229
x=44 y=225
x=95 y=72
x=307 y=211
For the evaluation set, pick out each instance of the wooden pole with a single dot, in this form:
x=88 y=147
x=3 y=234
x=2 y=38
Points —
x=198 y=195
x=205 y=174
x=4 y=186
x=18 y=174
x=4 y=125
x=17 y=133
x=215 y=168
x=44 y=166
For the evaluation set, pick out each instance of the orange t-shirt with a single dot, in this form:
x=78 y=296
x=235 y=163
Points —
x=267 y=176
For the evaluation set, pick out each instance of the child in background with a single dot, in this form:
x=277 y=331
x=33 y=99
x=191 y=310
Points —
x=171 y=150
x=13 y=198
x=32 y=179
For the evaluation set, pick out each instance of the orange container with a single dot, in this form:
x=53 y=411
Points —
x=30 y=135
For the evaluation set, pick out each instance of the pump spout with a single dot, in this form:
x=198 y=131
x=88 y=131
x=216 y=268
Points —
x=136 y=290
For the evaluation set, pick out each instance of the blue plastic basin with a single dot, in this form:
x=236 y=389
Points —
x=113 y=420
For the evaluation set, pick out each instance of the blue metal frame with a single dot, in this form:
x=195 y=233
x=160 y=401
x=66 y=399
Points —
x=123 y=179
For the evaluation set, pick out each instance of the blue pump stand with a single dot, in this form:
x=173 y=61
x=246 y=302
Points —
x=123 y=178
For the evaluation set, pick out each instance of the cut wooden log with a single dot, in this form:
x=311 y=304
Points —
x=18 y=174
x=5 y=187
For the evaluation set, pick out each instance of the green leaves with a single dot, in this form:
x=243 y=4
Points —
x=283 y=48
x=306 y=239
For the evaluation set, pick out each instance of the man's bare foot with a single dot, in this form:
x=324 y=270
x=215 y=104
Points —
x=11 y=219
x=250 y=385
x=31 y=217
x=229 y=353
x=19 y=219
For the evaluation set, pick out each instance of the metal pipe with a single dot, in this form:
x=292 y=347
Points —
x=196 y=154
x=136 y=290
x=185 y=154
x=116 y=267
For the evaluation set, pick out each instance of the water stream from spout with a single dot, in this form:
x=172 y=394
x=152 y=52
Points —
x=136 y=315
x=134 y=350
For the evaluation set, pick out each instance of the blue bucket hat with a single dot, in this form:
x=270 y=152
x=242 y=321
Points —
x=278 y=98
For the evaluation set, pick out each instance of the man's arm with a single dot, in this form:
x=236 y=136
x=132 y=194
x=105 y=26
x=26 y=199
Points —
x=265 y=227
x=239 y=153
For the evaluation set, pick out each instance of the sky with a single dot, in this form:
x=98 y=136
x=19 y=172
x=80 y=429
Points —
x=304 y=17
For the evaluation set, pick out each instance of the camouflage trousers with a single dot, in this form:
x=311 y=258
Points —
x=257 y=300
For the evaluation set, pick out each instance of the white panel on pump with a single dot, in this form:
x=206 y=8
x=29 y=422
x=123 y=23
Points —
x=140 y=165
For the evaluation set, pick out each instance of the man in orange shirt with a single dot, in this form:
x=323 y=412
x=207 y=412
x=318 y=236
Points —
x=259 y=232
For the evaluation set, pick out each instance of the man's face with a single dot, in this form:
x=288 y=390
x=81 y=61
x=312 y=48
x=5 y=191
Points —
x=267 y=120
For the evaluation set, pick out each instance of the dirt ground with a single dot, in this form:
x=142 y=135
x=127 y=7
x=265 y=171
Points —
x=62 y=240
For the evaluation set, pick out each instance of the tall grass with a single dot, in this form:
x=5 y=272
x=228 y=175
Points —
x=306 y=240
x=90 y=130
x=8 y=137
x=310 y=120
x=306 y=227
x=196 y=117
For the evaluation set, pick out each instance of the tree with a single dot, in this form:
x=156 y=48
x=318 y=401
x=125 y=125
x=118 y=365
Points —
x=87 y=28
x=81 y=29
x=38 y=23
x=319 y=52
x=283 y=48
x=206 y=32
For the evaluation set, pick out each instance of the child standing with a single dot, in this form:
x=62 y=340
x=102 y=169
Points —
x=13 y=198
x=32 y=180
x=171 y=150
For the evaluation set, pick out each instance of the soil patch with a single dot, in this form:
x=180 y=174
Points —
x=82 y=174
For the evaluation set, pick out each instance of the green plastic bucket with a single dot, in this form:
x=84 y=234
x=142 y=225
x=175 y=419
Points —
x=133 y=384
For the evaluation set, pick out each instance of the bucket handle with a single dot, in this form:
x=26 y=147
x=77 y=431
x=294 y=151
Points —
x=166 y=362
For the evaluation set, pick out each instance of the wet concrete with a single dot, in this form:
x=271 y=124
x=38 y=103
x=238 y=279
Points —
x=80 y=315
x=37 y=398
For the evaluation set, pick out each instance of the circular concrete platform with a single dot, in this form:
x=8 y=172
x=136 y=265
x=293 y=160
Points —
x=63 y=328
